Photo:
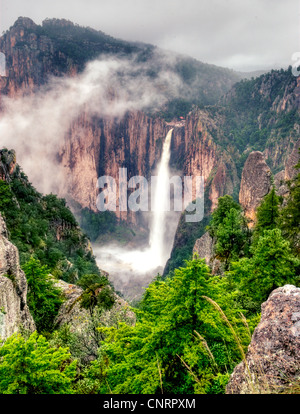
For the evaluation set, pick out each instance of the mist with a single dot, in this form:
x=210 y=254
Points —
x=35 y=125
x=132 y=269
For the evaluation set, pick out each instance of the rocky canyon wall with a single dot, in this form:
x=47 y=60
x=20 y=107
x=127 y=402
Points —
x=95 y=146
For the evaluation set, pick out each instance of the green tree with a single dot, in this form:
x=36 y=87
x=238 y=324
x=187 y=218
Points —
x=229 y=229
x=271 y=266
x=97 y=293
x=267 y=213
x=225 y=204
x=6 y=197
x=162 y=352
x=231 y=237
x=97 y=296
x=290 y=214
x=32 y=367
x=44 y=298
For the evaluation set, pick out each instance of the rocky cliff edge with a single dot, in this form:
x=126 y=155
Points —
x=14 y=311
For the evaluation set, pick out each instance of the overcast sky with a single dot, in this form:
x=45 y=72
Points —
x=239 y=34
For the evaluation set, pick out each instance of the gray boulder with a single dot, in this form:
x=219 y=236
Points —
x=272 y=362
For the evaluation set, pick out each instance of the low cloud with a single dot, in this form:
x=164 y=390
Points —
x=35 y=125
x=244 y=35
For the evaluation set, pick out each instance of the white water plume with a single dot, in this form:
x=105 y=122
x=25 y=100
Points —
x=144 y=264
x=161 y=202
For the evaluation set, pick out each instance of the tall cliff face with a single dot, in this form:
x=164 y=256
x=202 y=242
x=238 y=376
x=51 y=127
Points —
x=96 y=147
x=14 y=312
x=28 y=58
x=201 y=156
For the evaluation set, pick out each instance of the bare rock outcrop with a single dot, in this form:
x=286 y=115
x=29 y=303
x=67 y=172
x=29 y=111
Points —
x=14 y=312
x=255 y=184
x=71 y=313
x=280 y=184
x=204 y=247
x=7 y=164
x=293 y=159
x=272 y=362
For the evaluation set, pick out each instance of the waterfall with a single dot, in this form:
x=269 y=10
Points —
x=132 y=269
x=160 y=205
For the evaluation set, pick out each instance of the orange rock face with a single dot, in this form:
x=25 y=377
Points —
x=255 y=184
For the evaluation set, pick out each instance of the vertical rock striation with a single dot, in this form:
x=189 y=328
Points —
x=14 y=312
x=204 y=247
x=255 y=184
x=95 y=147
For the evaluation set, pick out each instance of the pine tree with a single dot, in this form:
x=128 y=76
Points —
x=229 y=229
x=44 y=298
x=267 y=213
x=97 y=293
x=271 y=266
x=290 y=214
x=32 y=367
x=225 y=204
x=231 y=237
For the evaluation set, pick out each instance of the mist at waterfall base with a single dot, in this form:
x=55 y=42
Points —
x=131 y=269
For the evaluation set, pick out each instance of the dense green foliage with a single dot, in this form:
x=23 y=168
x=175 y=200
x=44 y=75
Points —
x=98 y=223
x=290 y=214
x=267 y=214
x=31 y=366
x=272 y=265
x=103 y=226
x=97 y=293
x=249 y=116
x=231 y=237
x=229 y=229
x=44 y=227
x=165 y=350
x=43 y=298
x=190 y=334
x=51 y=246
x=192 y=327
x=225 y=205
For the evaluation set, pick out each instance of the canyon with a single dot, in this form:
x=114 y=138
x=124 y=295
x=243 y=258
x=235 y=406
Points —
x=92 y=144
x=77 y=105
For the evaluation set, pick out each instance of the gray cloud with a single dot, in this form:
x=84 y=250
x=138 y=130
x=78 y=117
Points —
x=248 y=34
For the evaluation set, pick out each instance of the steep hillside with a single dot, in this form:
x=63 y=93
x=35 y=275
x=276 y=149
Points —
x=95 y=145
x=14 y=311
x=59 y=47
x=261 y=114
x=215 y=127
x=42 y=226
